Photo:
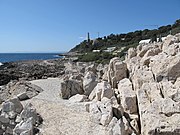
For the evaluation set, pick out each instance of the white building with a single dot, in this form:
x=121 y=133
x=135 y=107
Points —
x=110 y=49
x=146 y=41
x=96 y=50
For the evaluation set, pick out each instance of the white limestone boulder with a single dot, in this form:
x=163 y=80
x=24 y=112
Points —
x=101 y=112
x=117 y=70
x=164 y=66
x=78 y=98
x=103 y=89
x=127 y=96
x=89 y=82
x=70 y=88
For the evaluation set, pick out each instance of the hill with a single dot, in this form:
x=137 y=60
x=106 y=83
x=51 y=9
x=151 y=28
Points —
x=121 y=42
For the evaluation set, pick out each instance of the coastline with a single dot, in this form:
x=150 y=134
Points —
x=15 y=57
x=109 y=97
x=31 y=70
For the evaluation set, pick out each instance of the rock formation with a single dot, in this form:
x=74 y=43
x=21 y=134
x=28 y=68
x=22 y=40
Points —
x=30 y=70
x=155 y=79
x=117 y=70
x=22 y=89
x=137 y=96
x=18 y=120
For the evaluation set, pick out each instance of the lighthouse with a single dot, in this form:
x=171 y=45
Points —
x=88 y=37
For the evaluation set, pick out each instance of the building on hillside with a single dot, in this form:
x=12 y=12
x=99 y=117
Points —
x=147 y=41
x=110 y=49
x=96 y=50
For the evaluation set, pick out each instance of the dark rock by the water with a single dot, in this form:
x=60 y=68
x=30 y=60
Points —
x=30 y=70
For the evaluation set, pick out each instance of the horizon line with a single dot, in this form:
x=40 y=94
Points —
x=35 y=52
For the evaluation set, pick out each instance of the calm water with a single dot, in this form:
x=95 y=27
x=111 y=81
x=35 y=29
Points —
x=9 y=57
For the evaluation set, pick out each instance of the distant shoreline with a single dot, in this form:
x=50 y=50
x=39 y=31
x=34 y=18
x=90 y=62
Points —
x=18 y=57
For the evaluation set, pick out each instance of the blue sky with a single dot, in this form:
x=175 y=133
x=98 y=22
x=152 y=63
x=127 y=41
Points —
x=58 y=25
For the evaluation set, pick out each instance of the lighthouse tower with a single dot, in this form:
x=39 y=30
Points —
x=88 y=37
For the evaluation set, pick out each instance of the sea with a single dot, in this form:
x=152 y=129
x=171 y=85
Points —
x=12 y=57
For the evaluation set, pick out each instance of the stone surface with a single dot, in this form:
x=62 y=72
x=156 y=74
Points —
x=59 y=115
x=101 y=112
x=23 y=96
x=131 y=53
x=153 y=107
x=141 y=75
x=78 y=98
x=169 y=41
x=117 y=70
x=89 y=82
x=17 y=105
x=143 y=50
x=103 y=89
x=17 y=88
x=132 y=64
x=170 y=90
x=91 y=68
x=138 y=96
x=119 y=128
x=70 y=88
x=166 y=67
x=127 y=96
x=16 y=119
x=30 y=70
x=29 y=112
x=65 y=117
x=23 y=127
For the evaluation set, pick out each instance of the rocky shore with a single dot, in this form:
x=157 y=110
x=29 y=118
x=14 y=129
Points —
x=137 y=96
x=31 y=70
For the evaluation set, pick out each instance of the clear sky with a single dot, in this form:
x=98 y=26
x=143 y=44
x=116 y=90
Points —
x=58 y=25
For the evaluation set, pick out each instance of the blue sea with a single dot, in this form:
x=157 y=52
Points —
x=11 y=57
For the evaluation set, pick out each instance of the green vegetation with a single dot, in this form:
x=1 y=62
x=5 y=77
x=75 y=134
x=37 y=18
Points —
x=119 y=41
x=102 y=57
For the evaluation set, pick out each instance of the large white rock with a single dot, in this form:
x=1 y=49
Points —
x=132 y=64
x=148 y=93
x=152 y=52
x=70 y=88
x=161 y=117
x=141 y=75
x=169 y=41
x=164 y=66
x=29 y=112
x=101 y=112
x=127 y=96
x=78 y=98
x=147 y=56
x=170 y=90
x=24 y=126
x=91 y=68
x=23 y=89
x=143 y=49
x=158 y=114
x=117 y=70
x=118 y=110
x=12 y=105
x=103 y=89
x=173 y=49
x=89 y=82
x=119 y=128
x=131 y=53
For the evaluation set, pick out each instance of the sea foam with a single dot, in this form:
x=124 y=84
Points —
x=1 y=64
